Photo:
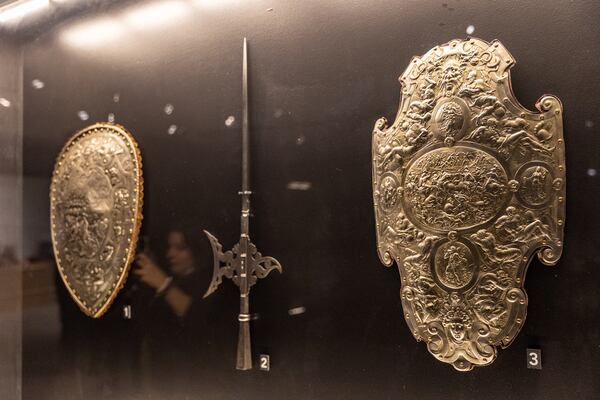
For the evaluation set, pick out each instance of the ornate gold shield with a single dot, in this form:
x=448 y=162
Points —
x=95 y=213
x=467 y=186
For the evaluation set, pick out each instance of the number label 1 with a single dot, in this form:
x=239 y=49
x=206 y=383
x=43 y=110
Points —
x=534 y=358
x=265 y=362
x=127 y=312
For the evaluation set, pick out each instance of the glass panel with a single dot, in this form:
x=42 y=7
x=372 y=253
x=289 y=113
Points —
x=320 y=74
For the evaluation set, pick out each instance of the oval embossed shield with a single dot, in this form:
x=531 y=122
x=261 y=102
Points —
x=468 y=185
x=96 y=199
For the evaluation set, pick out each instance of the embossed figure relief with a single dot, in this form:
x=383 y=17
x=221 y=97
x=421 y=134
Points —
x=95 y=213
x=468 y=185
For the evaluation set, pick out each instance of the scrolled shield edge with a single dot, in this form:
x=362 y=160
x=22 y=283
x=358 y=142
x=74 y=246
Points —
x=467 y=185
x=124 y=232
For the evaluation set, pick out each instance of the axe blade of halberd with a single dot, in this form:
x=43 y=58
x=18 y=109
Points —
x=219 y=258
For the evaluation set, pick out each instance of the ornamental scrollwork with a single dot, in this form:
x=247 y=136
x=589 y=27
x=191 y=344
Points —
x=467 y=185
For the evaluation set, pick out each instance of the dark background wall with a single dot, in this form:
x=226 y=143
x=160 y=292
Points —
x=321 y=73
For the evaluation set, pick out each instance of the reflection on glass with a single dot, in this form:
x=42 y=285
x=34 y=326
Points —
x=17 y=10
x=215 y=4
x=83 y=115
x=150 y=16
x=37 y=84
x=93 y=32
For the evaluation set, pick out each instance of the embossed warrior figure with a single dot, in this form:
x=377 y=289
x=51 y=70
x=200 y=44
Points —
x=467 y=186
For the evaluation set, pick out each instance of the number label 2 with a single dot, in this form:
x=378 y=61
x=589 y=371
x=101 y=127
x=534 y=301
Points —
x=534 y=358
x=265 y=362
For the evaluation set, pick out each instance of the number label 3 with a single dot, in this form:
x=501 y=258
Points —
x=265 y=362
x=534 y=358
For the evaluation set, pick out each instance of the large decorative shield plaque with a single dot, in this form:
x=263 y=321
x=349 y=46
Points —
x=468 y=185
x=95 y=213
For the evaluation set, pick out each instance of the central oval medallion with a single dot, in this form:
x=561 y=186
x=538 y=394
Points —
x=454 y=188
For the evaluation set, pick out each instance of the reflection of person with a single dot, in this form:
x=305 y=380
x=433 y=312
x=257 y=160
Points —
x=169 y=310
x=181 y=265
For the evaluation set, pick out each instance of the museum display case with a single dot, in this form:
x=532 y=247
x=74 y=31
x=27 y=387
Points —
x=159 y=158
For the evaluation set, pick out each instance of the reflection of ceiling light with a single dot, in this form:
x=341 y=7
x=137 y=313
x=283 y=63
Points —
x=149 y=16
x=37 y=84
x=214 y=3
x=83 y=115
x=4 y=102
x=94 y=32
x=17 y=10
x=152 y=15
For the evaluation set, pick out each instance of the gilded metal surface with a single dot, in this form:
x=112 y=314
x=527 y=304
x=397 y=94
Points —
x=468 y=185
x=95 y=213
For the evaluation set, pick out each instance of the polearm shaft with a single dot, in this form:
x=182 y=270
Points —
x=244 y=352
x=243 y=264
